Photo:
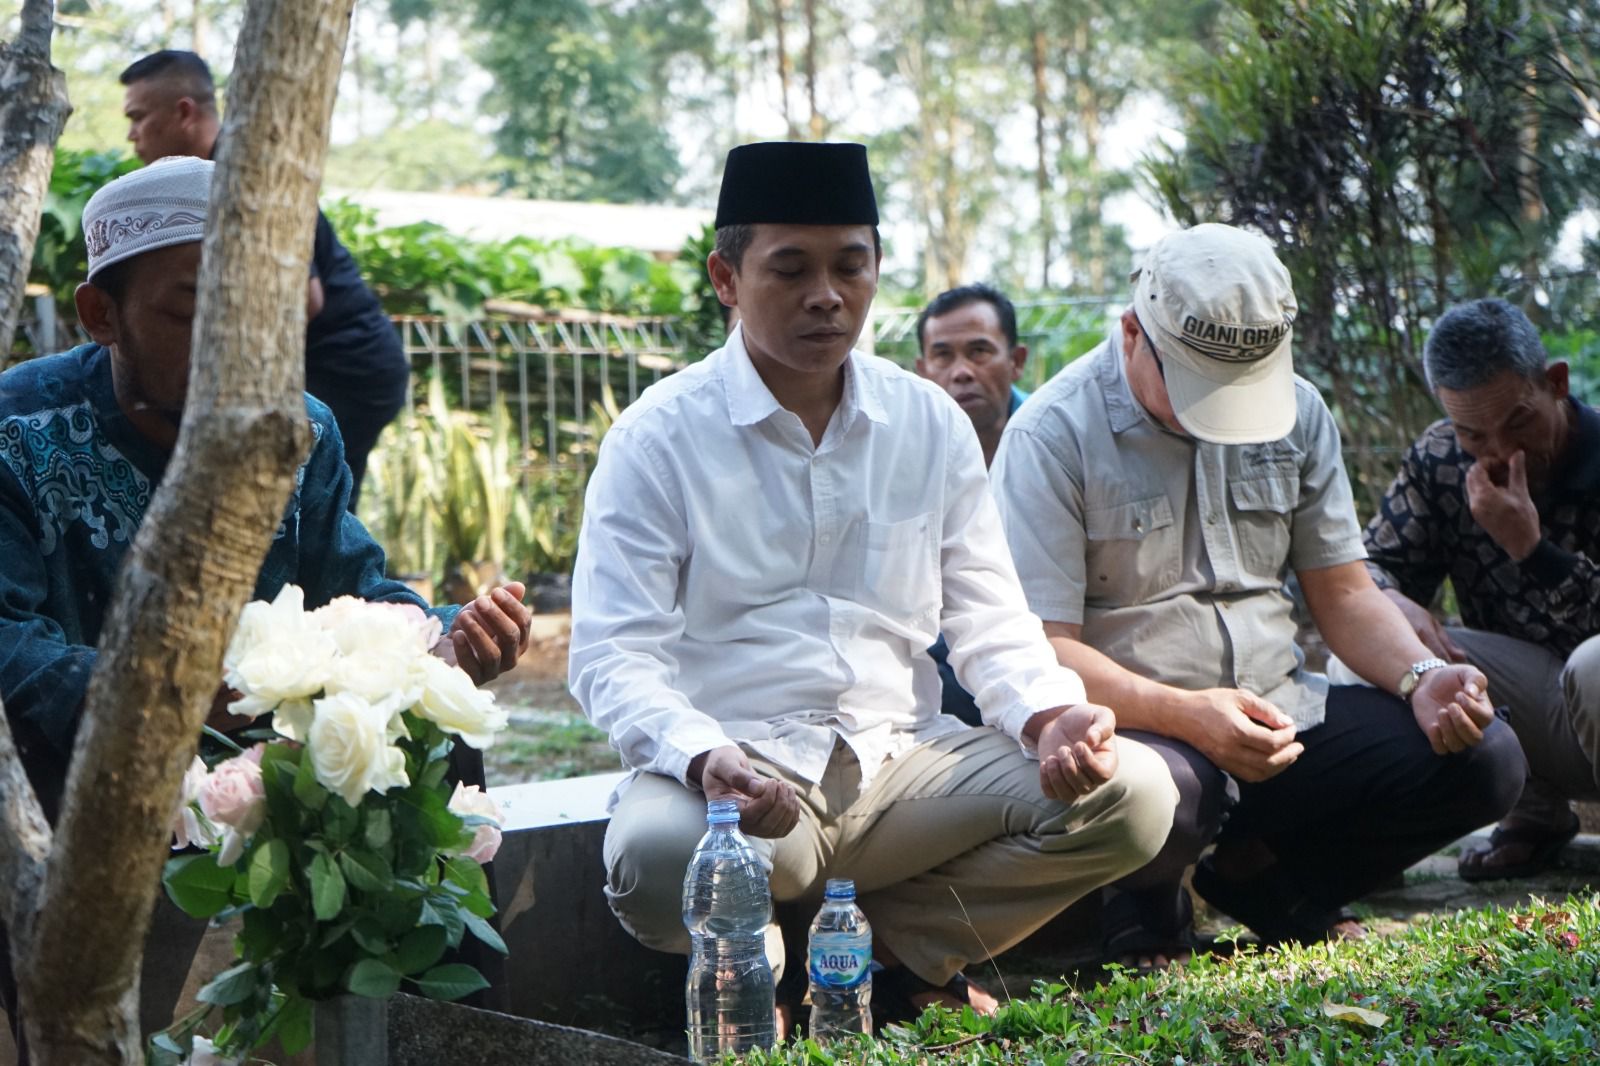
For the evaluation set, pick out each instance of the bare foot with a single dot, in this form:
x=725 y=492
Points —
x=977 y=998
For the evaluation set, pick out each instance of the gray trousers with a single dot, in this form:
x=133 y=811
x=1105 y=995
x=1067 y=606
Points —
x=1554 y=707
x=955 y=852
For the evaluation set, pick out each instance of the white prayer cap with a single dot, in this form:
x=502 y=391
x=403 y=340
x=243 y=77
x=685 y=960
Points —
x=154 y=207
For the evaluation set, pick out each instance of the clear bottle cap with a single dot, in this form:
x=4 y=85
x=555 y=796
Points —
x=840 y=888
x=721 y=812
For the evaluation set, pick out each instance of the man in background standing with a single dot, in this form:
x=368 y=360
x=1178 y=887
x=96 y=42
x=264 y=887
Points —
x=354 y=362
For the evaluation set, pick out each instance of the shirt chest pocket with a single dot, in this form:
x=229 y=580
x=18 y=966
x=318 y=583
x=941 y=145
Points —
x=899 y=571
x=1133 y=552
x=1263 y=512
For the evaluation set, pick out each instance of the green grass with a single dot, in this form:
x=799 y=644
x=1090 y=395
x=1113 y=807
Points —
x=1477 y=987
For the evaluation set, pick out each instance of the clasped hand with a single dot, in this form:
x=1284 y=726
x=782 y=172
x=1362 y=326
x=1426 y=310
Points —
x=1242 y=733
x=489 y=634
x=1452 y=708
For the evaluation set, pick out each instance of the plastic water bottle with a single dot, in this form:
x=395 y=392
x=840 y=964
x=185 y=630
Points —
x=839 y=964
x=726 y=908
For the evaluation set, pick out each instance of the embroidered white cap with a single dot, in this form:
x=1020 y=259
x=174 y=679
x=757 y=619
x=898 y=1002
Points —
x=153 y=207
x=1218 y=308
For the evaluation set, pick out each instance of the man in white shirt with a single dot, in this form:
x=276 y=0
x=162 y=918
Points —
x=771 y=540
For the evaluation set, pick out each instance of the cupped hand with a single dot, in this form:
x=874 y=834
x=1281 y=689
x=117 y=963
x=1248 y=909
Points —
x=767 y=807
x=1452 y=708
x=1076 y=751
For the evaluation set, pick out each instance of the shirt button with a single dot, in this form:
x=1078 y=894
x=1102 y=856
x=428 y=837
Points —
x=1138 y=524
x=1212 y=518
x=826 y=538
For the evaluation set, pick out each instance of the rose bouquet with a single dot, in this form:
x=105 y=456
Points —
x=335 y=838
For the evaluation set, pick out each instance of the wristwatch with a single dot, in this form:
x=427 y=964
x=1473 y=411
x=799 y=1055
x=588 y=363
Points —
x=1413 y=677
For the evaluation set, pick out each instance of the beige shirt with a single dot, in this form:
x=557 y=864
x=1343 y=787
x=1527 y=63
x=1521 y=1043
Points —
x=1170 y=552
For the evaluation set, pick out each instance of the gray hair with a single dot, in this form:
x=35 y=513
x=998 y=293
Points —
x=1476 y=342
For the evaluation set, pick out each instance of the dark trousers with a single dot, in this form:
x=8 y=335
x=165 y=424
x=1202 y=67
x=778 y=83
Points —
x=1366 y=799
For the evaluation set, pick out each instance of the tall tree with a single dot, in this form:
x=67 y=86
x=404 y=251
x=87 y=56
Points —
x=580 y=91
x=77 y=902
x=33 y=111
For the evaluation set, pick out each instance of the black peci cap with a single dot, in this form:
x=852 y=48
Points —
x=798 y=183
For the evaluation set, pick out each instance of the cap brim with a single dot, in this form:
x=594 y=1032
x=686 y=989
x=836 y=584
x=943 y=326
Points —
x=1251 y=408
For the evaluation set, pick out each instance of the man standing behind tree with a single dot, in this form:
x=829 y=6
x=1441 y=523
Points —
x=967 y=345
x=1503 y=498
x=354 y=362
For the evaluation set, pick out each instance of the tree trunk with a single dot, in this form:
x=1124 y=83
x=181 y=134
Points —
x=1041 y=143
x=33 y=110
x=817 y=126
x=785 y=66
x=199 y=547
x=200 y=28
x=1089 y=119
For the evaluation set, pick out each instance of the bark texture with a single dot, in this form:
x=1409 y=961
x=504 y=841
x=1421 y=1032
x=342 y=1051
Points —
x=194 y=562
x=33 y=110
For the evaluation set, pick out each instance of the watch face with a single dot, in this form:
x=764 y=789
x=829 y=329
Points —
x=1408 y=684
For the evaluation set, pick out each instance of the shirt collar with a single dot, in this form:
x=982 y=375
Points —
x=750 y=401
x=1123 y=410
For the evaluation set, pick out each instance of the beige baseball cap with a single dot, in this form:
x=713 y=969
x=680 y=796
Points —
x=1219 y=308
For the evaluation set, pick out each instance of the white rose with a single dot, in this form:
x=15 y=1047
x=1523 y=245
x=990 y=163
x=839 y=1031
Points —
x=455 y=705
x=381 y=677
x=470 y=799
x=286 y=665
x=349 y=749
x=204 y=1053
x=395 y=628
x=264 y=621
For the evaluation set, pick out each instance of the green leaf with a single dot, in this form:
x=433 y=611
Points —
x=368 y=932
x=420 y=949
x=269 y=872
x=442 y=910
x=367 y=871
x=466 y=873
x=434 y=774
x=486 y=933
x=327 y=888
x=233 y=985
x=308 y=790
x=451 y=981
x=197 y=885
x=379 y=828
x=294 y=1024
x=372 y=977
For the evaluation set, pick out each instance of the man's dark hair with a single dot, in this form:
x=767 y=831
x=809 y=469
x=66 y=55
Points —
x=733 y=241
x=1474 y=343
x=956 y=299
x=185 y=71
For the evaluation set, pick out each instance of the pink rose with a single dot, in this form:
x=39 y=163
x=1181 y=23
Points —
x=188 y=827
x=234 y=798
x=470 y=799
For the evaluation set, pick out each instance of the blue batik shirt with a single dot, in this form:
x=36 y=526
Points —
x=75 y=480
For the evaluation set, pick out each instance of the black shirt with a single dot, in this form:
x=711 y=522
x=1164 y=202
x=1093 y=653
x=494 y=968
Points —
x=350 y=344
x=1424 y=532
